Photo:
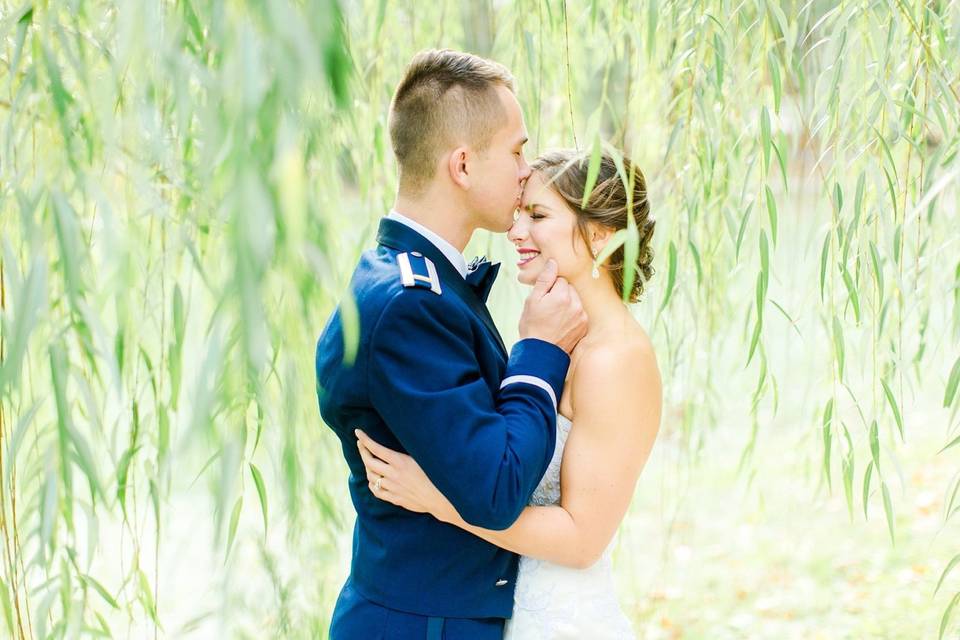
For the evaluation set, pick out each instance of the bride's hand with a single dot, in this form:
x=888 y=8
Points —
x=402 y=481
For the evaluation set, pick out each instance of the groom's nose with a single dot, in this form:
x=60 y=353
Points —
x=518 y=230
x=525 y=170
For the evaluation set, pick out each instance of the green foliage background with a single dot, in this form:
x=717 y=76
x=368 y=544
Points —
x=185 y=186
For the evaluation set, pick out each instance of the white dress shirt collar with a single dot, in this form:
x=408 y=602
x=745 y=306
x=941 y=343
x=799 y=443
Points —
x=455 y=257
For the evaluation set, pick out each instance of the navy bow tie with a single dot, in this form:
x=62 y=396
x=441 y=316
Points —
x=480 y=276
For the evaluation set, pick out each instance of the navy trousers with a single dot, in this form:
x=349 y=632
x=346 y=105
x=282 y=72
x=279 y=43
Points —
x=356 y=618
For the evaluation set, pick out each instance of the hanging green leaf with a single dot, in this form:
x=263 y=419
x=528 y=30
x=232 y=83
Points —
x=771 y=213
x=696 y=261
x=851 y=293
x=877 y=271
x=946 y=571
x=100 y=589
x=765 y=136
x=838 y=346
x=827 y=440
x=743 y=228
x=774 y=68
x=858 y=198
x=764 y=277
x=234 y=521
x=847 y=464
x=593 y=170
x=718 y=59
x=875 y=444
x=894 y=407
x=145 y=596
x=122 y=472
x=671 y=274
x=782 y=163
x=652 y=19
x=952 y=381
x=754 y=339
x=888 y=510
x=950 y=444
x=945 y=620
x=336 y=57
x=262 y=493
x=824 y=253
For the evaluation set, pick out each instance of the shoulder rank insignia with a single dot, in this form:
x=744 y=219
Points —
x=417 y=270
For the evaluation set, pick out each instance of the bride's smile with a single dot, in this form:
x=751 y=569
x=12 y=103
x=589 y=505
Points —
x=545 y=228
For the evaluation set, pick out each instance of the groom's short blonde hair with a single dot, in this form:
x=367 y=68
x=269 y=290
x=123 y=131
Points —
x=446 y=98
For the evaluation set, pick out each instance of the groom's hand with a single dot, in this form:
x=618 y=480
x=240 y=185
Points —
x=553 y=312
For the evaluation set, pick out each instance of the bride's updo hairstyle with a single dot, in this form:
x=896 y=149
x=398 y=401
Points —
x=565 y=171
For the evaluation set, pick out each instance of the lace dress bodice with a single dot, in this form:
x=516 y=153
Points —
x=553 y=602
x=548 y=491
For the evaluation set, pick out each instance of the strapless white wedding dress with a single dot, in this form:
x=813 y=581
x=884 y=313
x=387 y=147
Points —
x=553 y=602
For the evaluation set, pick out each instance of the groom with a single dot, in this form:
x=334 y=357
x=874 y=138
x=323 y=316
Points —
x=431 y=376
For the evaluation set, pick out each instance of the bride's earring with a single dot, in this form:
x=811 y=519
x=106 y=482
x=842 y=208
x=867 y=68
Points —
x=595 y=274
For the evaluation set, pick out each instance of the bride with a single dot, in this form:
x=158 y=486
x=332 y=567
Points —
x=609 y=413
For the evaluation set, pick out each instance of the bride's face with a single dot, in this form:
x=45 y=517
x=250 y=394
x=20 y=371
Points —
x=547 y=228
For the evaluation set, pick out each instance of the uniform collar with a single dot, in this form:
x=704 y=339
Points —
x=448 y=250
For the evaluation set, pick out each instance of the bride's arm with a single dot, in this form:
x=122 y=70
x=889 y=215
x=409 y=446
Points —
x=616 y=394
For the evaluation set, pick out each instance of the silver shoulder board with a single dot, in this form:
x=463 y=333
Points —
x=417 y=270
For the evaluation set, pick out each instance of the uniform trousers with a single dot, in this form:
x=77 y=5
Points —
x=357 y=618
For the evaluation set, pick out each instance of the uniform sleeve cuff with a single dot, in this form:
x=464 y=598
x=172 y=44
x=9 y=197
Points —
x=539 y=363
x=537 y=382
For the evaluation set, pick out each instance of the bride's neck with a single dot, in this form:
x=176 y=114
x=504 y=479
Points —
x=605 y=309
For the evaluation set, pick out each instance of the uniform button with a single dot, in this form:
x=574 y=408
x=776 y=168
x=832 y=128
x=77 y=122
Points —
x=416 y=253
x=501 y=582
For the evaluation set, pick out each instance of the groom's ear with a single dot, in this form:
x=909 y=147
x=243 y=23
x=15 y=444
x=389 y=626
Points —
x=457 y=163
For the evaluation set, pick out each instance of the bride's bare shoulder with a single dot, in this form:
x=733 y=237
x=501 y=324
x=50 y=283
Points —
x=625 y=359
x=617 y=385
x=612 y=350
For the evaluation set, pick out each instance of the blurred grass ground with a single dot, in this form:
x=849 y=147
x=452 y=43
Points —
x=706 y=554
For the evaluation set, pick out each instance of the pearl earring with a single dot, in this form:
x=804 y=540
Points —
x=595 y=274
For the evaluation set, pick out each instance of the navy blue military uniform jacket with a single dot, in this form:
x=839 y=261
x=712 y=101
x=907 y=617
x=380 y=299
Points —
x=431 y=377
